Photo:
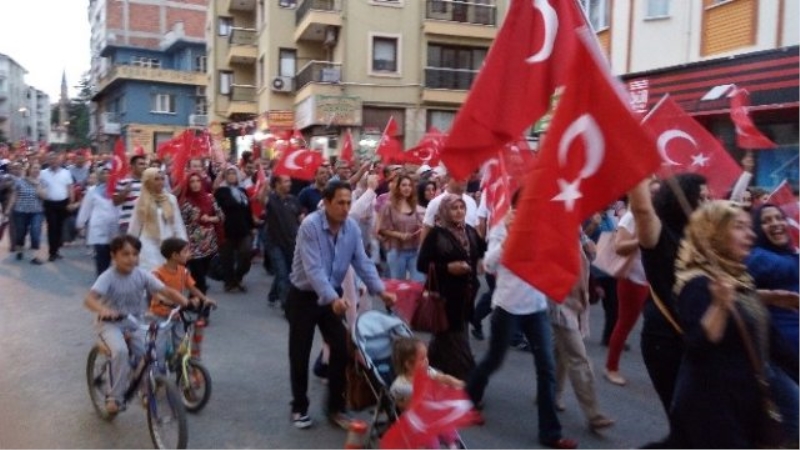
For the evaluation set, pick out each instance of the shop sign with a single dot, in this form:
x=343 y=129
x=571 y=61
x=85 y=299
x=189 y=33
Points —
x=329 y=110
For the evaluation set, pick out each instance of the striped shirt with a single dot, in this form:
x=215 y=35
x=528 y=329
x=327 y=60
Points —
x=126 y=208
x=28 y=201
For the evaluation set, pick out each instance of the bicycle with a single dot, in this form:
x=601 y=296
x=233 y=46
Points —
x=159 y=394
x=191 y=376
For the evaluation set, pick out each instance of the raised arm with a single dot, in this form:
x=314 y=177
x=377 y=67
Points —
x=648 y=225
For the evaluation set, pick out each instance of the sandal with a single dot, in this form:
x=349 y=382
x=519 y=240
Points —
x=614 y=377
x=565 y=443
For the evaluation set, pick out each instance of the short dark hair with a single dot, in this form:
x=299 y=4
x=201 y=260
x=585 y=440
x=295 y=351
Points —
x=333 y=187
x=135 y=158
x=273 y=181
x=119 y=242
x=172 y=245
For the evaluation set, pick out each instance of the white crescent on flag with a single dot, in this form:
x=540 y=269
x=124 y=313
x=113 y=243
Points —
x=290 y=160
x=550 y=20
x=594 y=142
x=664 y=139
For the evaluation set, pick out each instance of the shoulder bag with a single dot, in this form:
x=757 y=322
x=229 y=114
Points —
x=607 y=258
x=430 y=315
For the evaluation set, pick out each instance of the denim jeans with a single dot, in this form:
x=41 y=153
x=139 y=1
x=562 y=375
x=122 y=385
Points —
x=281 y=262
x=536 y=328
x=102 y=258
x=24 y=224
x=403 y=265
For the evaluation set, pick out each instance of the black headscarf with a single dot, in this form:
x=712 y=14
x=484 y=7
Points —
x=762 y=240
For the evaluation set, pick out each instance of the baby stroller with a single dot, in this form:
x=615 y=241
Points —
x=373 y=335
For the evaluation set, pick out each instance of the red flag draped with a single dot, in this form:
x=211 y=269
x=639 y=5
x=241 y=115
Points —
x=747 y=135
x=594 y=151
x=389 y=148
x=119 y=167
x=428 y=150
x=686 y=146
x=301 y=164
x=347 y=147
x=525 y=65
x=496 y=184
x=784 y=198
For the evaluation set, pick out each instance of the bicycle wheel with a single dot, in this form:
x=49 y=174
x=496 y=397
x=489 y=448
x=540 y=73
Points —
x=195 y=385
x=166 y=416
x=98 y=379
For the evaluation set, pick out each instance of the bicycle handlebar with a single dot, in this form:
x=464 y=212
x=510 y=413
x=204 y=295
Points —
x=146 y=325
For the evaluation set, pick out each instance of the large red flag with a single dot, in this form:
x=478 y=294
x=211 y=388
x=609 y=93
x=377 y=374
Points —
x=119 y=167
x=594 y=151
x=784 y=198
x=518 y=159
x=389 y=148
x=686 y=146
x=301 y=164
x=496 y=185
x=347 y=147
x=525 y=65
x=747 y=135
x=428 y=150
x=184 y=146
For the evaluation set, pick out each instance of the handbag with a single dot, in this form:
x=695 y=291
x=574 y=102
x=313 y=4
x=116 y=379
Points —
x=607 y=258
x=358 y=392
x=430 y=315
x=770 y=426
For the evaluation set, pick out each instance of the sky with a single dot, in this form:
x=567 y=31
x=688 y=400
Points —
x=47 y=37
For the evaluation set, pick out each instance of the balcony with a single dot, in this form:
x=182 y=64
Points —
x=460 y=18
x=198 y=120
x=318 y=20
x=110 y=123
x=241 y=5
x=318 y=72
x=242 y=46
x=138 y=73
x=242 y=100
x=445 y=85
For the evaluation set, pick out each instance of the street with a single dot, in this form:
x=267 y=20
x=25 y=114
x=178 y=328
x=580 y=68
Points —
x=47 y=333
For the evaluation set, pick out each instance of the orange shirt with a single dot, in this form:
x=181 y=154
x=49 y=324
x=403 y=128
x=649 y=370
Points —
x=180 y=280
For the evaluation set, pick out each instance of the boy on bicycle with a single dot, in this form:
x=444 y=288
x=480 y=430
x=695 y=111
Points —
x=124 y=289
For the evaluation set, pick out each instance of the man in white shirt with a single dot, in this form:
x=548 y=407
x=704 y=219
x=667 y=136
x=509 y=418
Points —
x=57 y=183
x=453 y=187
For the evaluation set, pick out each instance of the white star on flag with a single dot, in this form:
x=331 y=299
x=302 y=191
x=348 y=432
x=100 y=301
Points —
x=569 y=193
x=700 y=160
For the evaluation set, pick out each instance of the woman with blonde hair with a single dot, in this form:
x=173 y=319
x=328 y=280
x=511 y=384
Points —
x=156 y=217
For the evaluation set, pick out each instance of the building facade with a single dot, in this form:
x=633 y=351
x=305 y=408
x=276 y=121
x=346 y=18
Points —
x=148 y=70
x=14 y=117
x=326 y=66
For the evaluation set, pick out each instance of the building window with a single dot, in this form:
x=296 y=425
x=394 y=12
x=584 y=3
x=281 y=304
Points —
x=225 y=82
x=143 y=61
x=163 y=104
x=657 y=8
x=260 y=69
x=287 y=62
x=384 y=54
x=225 y=25
x=599 y=13
x=452 y=67
x=441 y=120
x=438 y=6
x=200 y=63
x=201 y=106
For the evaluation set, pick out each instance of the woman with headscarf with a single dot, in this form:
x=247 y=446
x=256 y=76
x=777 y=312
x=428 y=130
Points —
x=156 y=217
x=237 y=250
x=451 y=253
x=717 y=402
x=202 y=216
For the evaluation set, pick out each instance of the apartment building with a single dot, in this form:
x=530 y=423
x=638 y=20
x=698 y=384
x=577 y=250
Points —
x=148 y=70
x=13 y=100
x=695 y=50
x=326 y=66
x=38 y=113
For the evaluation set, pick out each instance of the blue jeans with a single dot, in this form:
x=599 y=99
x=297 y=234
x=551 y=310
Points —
x=403 y=265
x=536 y=328
x=25 y=223
x=785 y=394
x=281 y=262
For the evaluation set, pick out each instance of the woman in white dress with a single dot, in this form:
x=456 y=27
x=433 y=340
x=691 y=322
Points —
x=156 y=217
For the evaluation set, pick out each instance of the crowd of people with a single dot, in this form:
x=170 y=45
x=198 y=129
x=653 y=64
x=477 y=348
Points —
x=694 y=275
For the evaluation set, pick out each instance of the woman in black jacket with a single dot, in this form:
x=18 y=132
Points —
x=454 y=249
x=236 y=250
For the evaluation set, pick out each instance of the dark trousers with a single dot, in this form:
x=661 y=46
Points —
x=55 y=213
x=24 y=224
x=281 y=263
x=236 y=255
x=609 y=286
x=304 y=315
x=662 y=357
x=102 y=258
x=484 y=305
x=198 y=267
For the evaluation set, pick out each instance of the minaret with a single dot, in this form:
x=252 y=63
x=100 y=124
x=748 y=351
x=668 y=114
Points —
x=63 y=102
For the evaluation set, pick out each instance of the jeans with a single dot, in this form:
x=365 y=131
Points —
x=281 y=262
x=24 y=224
x=537 y=329
x=56 y=213
x=102 y=258
x=403 y=265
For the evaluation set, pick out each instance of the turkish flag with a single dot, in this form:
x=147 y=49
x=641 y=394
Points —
x=183 y=146
x=686 y=146
x=119 y=167
x=527 y=62
x=301 y=164
x=747 y=135
x=594 y=151
x=347 y=147
x=518 y=159
x=784 y=198
x=496 y=185
x=428 y=150
x=389 y=148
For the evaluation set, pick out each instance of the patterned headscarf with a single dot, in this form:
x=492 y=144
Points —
x=446 y=220
x=149 y=202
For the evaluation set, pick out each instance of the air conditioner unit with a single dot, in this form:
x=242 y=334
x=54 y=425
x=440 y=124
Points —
x=331 y=36
x=198 y=120
x=282 y=84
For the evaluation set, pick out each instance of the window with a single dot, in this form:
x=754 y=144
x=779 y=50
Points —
x=201 y=106
x=225 y=25
x=438 y=6
x=143 y=61
x=453 y=67
x=163 y=104
x=225 y=82
x=384 y=54
x=287 y=62
x=287 y=3
x=200 y=63
x=657 y=8
x=441 y=120
x=598 y=12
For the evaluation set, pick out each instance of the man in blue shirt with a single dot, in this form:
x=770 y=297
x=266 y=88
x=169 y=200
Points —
x=328 y=242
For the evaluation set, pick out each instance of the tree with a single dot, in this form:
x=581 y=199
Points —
x=77 y=115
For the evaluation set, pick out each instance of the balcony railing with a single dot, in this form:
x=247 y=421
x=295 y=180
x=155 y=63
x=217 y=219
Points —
x=315 y=5
x=445 y=78
x=318 y=72
x=461 y=11
x=243 y=93
x=242 y=36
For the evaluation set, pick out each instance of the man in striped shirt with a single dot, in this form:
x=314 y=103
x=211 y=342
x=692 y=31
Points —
x=128 y=190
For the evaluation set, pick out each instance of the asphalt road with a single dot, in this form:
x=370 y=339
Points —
x=46 y=334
